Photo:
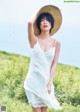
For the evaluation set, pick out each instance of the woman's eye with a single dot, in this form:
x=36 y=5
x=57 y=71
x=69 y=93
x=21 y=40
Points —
x=42 y=19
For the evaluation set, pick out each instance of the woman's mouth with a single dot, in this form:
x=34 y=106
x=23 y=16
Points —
x=45 y=26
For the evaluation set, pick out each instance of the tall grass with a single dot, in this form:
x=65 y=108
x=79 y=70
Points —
x=13 y=70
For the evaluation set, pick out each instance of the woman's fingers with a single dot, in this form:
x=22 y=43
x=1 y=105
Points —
x=49 y=88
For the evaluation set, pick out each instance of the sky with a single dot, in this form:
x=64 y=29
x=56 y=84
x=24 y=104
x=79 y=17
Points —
x=14 y=16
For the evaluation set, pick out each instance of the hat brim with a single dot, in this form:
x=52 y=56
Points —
x=56 y=14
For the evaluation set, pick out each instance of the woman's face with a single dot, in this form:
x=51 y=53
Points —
x=45 y=25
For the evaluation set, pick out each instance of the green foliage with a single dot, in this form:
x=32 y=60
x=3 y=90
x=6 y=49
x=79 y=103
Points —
x=67 y=82
x=13 y=70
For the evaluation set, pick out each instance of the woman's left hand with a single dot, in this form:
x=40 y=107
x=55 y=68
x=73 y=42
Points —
x=49 y=87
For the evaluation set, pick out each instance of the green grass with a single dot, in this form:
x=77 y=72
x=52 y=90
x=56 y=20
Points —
x=13 y=70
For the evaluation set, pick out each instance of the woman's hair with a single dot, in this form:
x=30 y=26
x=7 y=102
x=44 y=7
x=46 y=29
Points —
x=48 y=17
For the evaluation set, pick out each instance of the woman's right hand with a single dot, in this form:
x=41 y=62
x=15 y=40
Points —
x=33 y=16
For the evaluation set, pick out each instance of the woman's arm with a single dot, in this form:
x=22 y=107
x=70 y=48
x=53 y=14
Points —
x=31 y=36
x=53 y=66
x=55 y=60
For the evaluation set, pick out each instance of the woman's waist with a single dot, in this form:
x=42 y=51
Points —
x=37 y=74
x=34 y=66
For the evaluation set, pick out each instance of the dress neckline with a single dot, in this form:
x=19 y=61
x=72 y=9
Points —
x=46 y=50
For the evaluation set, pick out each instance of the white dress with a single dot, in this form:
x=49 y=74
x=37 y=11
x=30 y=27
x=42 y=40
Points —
x=38 y=77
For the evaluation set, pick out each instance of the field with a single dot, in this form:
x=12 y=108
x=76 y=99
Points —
x=13 y=70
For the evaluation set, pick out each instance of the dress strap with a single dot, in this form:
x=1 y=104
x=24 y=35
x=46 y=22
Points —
x=37 y=39
x=55 y=41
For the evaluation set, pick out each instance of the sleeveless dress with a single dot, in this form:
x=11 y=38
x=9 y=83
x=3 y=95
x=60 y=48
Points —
x=37 y=78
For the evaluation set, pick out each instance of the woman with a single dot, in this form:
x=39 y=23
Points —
x=44 y=57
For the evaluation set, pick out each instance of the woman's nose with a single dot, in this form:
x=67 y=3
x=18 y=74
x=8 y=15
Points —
x=45 y=21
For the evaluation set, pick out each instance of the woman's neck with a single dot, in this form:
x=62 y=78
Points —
x=44 y=35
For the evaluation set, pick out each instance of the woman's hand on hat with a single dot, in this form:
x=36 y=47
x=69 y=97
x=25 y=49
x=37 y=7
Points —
x=33 y=17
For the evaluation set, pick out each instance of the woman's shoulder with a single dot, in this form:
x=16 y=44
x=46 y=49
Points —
x=56 y=42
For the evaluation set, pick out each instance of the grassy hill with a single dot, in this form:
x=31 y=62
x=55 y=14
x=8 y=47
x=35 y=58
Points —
x=13 y=70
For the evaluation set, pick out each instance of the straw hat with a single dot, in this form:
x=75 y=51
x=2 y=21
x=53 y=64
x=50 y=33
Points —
x=56 y=14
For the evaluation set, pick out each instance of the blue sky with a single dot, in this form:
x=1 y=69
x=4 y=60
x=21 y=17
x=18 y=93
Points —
x=14 y=15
